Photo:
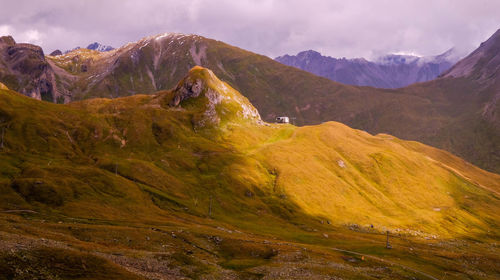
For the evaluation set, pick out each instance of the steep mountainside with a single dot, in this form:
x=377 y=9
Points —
x=191 y=182
x=482 y=64
x=390 y=71
x=456 y=114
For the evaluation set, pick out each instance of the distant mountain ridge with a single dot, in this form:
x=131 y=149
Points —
x=95 y=47
x=388 y=71
x=100 y=47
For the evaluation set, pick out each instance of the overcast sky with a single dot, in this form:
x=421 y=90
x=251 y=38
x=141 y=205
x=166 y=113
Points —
x=344 y=28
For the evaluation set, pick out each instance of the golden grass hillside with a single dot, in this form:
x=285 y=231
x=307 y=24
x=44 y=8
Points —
x=102 y=174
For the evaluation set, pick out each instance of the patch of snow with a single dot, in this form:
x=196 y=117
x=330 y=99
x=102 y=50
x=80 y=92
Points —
x=224 y=88
x=162 y=36
x=144 y=44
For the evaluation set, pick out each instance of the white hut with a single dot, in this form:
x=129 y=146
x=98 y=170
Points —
x=282 y=120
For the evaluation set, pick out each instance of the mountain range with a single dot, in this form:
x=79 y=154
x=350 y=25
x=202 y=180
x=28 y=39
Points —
x=388 y=71
x=191 y=183
x=456 y=112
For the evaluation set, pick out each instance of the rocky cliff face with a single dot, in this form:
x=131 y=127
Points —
x=390 y=71
x=25 y=69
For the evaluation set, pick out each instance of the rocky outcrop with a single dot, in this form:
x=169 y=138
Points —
x=56 y=53
x=26 y=70
x=187 y=89
x=216 y=102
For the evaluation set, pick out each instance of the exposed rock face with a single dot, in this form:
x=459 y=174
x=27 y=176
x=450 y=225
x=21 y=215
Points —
x=390 y=71
x=2 y=86
x=56 y=53
x=217 y=101
x=187 y=89
x=25 y=70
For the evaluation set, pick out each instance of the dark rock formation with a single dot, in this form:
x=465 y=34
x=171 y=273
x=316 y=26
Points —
x=26 y=70
x=56 y=53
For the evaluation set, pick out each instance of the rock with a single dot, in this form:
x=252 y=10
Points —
x=56 y=53
x=216 y=239
x=187 y=89
x=34 y=75
x=248 y=193
x=214 y=100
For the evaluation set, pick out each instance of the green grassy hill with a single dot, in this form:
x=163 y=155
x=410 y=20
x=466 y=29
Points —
x=191 y=183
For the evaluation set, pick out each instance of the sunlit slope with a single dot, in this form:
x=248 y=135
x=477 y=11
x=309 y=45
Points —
x=203 y=146
x=350 y=176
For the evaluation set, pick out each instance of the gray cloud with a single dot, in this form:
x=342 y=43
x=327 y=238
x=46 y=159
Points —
x=337 y=28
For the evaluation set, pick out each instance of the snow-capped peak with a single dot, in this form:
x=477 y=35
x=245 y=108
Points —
x=99 y=47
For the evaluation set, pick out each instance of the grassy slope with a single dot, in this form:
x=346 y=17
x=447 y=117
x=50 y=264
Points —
x=114 y=169
x=445 y=113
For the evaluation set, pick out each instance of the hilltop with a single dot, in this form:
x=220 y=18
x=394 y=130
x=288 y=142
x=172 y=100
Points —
x=190 y=182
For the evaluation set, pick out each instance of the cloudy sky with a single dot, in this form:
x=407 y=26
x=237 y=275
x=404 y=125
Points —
x=340 y=28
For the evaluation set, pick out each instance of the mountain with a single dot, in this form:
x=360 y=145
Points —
x=191 y=183
x=389 y=71
x=99 y=47
x=24 y=68
x=447 y=113
x=483 y=64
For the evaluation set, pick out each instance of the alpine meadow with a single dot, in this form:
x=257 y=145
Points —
x=183 y=157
